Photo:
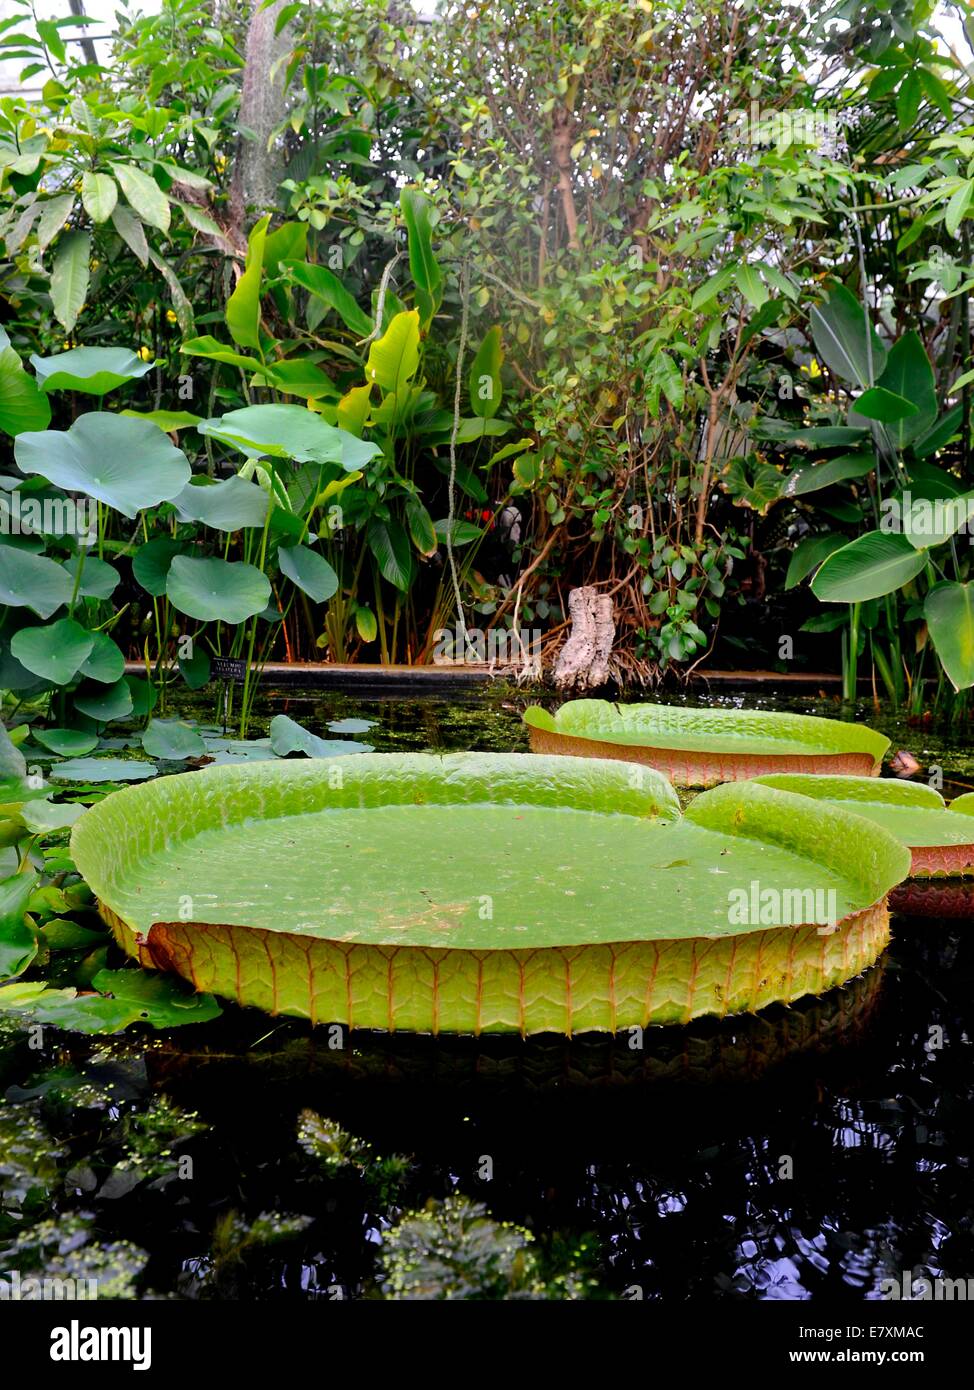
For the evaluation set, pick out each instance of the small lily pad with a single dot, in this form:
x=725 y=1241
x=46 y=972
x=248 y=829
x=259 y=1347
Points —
x=67 y=743
x=288 y=736
x=172 y=739
x=102 y=770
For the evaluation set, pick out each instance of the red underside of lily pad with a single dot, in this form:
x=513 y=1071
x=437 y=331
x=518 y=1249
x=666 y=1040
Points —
x=691 y=769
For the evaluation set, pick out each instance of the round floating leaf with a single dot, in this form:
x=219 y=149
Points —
x=67 y=743
x=106 y=662
x=104 y=705
x=127 y=463
x=32 y=581
x=172 y=739
x=56 y=652
x=98 y=578
x=317 y=896
x=214 y=590
x=289 y=431
x=151 y=563
x=92 y=370
x=308 y=570
x=700 y=747
x=288 y=736
x=102 y=770
x=226 y=506
x=128 y=996
x=41 y=817
x=351 y=726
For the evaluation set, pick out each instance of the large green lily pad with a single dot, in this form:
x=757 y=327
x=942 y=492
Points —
x=486 y=892
x=701 y=747
x=942 y=841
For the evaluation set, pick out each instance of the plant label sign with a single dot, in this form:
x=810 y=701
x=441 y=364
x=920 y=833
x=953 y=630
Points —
x=225 y=668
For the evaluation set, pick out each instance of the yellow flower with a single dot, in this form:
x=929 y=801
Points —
x=170 y=316
x=146 y=354
x=220 y=162
x=95 y=264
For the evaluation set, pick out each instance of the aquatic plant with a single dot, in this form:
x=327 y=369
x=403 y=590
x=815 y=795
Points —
x=700 y=747
x=480 y=892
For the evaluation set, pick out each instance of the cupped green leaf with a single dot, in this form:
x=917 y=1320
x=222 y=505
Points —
x=68 y=743
x=289 y=431
x=106 y=661
x=103 y=704
x=316 y=930
x=151 y=562
x=92 y=370
x=288 y=736
x=310 y=571
x=243 y=306
x=32 y=581
x=172 y=739
x=872 y=565
x=98 y=578
x=215 y=590
x=127 y=463
x=56 y=652
x=707 y=731
x=229 y=505
x=912 y=811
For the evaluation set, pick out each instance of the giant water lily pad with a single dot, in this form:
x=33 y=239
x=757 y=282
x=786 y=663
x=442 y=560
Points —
x=940 y=839
x=941 y=843
x=486 y=892
x=701 y=747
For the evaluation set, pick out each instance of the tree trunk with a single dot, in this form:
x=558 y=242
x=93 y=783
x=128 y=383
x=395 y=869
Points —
x=583 y=662
x=257 y=170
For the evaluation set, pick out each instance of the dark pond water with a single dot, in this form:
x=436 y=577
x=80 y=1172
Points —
x=808 y=1153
